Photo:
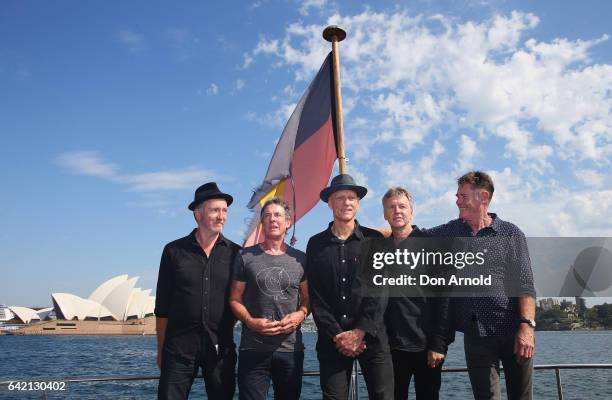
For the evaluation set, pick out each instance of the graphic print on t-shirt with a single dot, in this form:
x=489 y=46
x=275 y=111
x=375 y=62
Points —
x=274 y=282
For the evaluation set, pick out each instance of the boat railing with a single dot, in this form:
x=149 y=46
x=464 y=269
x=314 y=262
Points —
x=353 y=389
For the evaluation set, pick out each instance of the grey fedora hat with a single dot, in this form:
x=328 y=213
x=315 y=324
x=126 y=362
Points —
x=343 y=182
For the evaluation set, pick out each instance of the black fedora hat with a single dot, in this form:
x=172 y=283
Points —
x=343 y=182
x=209 y=191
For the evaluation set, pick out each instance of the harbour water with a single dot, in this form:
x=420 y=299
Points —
x=46 y=357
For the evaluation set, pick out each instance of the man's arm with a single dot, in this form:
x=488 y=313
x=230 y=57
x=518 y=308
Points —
x=291 y=321
x=163 y=294
x=321 y=310
x=259 y=325
x=160 y=329
x=524 y=344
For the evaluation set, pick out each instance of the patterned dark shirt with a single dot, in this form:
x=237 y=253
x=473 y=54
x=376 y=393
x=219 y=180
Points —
x=497 y=315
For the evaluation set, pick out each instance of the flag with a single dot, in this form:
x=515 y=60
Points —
x=304 y=156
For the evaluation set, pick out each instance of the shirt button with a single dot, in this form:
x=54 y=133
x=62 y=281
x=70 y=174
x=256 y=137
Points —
x=343 y=260
x=206 y=278
x=344 y=316
x=343 y=279
x=343 y=297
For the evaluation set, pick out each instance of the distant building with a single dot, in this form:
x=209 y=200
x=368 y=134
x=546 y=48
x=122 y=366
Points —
x=5 y=313
x=581 y=306
x=547 y=304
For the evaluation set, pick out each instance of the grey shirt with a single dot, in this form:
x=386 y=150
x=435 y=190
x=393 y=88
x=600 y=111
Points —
x=272 y=291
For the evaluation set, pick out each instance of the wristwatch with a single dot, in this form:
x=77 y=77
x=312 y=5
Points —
x=529 y=322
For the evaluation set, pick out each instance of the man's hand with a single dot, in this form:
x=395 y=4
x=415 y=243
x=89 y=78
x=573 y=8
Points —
x=350 y=343
x=264 y=326
x=291 y=321
x=524 y=343
x=434 y=359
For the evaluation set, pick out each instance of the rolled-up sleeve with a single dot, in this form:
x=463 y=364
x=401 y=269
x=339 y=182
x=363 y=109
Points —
x=523 y=264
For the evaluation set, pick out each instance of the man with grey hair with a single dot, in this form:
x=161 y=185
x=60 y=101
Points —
x=269 y=295
x=499 y=326
x=193 y=318
x=417 y=324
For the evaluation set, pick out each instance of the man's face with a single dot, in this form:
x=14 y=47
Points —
x=344 y=205
x=470 y=201
x=274 y=221
x=398 y=212
x=213 y=215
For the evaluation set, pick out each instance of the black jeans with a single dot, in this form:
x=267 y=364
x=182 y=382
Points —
x=427 y=380
x=483 y=355
x=218 y=369
x=256 y=368
x=376 y=367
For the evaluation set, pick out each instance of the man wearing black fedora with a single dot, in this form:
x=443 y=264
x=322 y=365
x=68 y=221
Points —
x=194 y=321
x=349 y=325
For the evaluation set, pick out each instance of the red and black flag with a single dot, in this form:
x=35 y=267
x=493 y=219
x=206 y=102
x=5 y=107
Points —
x=304 y=156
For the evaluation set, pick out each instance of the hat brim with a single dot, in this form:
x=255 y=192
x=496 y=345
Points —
x=229 y=199
x=359 y=190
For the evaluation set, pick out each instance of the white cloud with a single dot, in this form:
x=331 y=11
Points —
x=89 y=163
x=306 y=5
x=275 y=119
x=590 y=178
x=239 y=84
x=133 y=40
x=167 y=180
x=212 y=90
x=468 y=153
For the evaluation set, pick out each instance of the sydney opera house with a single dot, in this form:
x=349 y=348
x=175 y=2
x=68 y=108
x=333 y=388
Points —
x=114 y=307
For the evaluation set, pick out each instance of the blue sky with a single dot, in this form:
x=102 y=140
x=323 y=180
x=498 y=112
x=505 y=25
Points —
x=111 y=113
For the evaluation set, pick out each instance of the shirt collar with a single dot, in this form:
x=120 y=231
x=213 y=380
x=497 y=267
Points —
x=416 y=231
x=356 y=233
x=495 y=224
x=221 y=240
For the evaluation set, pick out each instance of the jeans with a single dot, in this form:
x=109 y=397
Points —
x=218 y=369
x=427 y=380
x=257 y=368
x=336 y=370
x=483 y=354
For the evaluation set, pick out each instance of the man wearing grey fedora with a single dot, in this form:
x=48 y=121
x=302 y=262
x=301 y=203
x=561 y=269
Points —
x=193 y=318
x=349 y=325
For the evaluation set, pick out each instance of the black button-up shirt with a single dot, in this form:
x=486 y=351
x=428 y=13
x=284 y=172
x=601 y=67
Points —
x=416 y=323
x=336 y=299
x=193 y=293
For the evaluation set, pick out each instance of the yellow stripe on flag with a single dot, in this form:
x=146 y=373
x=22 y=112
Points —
x=277 y=191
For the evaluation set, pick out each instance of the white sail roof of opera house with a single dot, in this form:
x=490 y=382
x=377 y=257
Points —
x=26 y=315
x=74 y=307
x=116 y=299
x=100 y=293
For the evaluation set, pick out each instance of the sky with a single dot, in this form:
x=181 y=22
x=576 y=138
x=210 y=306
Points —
x=112 y=113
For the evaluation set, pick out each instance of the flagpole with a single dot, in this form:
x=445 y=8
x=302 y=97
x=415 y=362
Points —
x=335 y=34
